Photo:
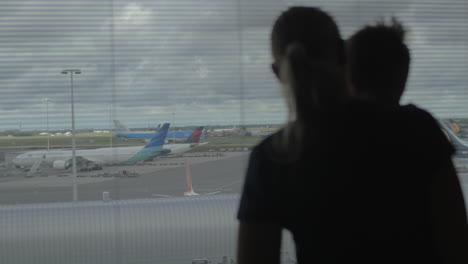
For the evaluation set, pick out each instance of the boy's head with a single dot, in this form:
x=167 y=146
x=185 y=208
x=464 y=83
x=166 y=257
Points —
x=378 y=62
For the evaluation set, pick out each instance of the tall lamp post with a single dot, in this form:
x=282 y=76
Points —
x=110 y=125
x=173 y=129
x=47 y=100
x=73 y=72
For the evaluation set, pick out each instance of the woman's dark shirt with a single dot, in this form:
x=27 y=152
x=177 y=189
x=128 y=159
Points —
x=358 y=194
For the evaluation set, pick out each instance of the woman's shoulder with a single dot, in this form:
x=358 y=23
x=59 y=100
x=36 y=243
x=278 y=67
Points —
x=272 y=150
x=267 y=144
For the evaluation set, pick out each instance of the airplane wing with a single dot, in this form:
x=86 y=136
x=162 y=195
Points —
x=82 y=160
x=83 y=163
x=196 y=145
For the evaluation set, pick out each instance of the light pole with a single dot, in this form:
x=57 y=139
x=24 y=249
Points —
x=110 y=125
x=47 y=100
x=173 y=129
x=72 y=72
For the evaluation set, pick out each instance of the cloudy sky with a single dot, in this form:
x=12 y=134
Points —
x=205 y=61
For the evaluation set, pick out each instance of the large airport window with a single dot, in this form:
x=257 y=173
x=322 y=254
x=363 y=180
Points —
x=126 y=126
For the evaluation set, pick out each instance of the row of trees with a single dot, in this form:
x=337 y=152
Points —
x=20 y=133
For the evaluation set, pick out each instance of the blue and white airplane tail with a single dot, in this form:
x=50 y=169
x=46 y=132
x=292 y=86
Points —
x=153 y=148
x=120 y=128
x=461 y=146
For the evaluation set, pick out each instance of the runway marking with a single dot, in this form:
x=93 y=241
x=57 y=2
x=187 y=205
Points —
x=229 y=184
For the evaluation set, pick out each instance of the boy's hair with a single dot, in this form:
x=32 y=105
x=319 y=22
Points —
x=379 y=61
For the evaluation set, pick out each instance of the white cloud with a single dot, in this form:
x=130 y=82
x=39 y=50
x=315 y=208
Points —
x=197 y=58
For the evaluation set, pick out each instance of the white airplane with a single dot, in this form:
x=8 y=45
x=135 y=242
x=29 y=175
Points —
x=191 y=142
x=461 y=146
x=61 y=159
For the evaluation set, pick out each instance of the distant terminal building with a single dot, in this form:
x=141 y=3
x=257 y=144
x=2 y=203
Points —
x=240 y=131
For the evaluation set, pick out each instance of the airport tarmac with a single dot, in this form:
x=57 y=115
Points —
x=164 y=177
x=160 y=178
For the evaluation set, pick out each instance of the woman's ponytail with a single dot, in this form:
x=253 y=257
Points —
x=310 y=86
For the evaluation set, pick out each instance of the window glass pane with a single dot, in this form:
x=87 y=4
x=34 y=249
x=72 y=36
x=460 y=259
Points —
x=148 y=62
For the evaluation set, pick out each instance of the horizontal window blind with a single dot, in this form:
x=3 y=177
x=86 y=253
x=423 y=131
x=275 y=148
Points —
x=149 y=62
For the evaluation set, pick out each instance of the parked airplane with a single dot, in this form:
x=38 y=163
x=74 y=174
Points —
x=461 y=146
x=191 y=142
x=123 y=133
x=459 y=131
x=61 y=159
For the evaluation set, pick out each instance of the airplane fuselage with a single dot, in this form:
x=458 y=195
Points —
x=101 y=156
x=179 y=135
